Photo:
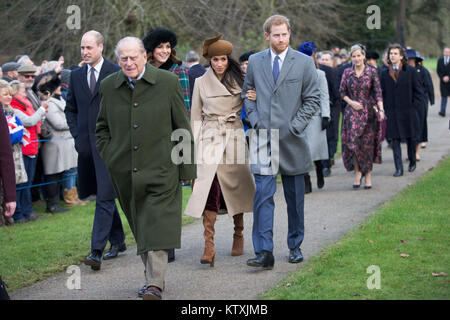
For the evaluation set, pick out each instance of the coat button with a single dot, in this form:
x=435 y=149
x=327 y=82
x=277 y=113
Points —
x=135 y=170
x=135 y=104
x=135 y=126
x=135 y=148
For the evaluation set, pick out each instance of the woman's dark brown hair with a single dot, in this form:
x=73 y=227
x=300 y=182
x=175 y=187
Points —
x=400 y=49
x=233 y=75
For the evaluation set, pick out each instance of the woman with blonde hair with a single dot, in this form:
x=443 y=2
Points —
x=361 y=126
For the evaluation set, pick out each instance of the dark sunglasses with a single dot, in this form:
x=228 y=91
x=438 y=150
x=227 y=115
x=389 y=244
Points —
x=31 y=76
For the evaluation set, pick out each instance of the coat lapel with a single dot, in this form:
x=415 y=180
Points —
x=287 y=64
x=83 y=79
x=267 y=68
x=213 y=87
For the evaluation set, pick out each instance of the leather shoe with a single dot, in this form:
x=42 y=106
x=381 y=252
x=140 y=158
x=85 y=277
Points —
x=398 y=173
x=94 y=260
x=263 y=260
x=326 y=172
x=412 y=167
x=295 y=255
x=114 y=250
x=441 y=114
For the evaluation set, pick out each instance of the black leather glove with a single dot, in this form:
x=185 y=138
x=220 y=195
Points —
x=325 y=122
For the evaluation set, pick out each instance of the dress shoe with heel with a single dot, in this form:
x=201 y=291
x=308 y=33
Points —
x=264 y=259
x=114 y=251
x=295 y=255
x=94 y=260
x=398 y=173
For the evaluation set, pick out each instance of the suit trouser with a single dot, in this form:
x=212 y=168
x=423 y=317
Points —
x=155 y=263
x=443 y=104
x=397 y=150
x=107 y=225
x=263 y=211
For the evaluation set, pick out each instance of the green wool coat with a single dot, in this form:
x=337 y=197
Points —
x=134 y=131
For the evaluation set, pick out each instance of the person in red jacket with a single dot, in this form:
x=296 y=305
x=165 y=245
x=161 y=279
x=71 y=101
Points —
x=31 y=121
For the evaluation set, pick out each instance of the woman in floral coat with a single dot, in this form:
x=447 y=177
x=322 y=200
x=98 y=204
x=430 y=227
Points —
x=361 y=126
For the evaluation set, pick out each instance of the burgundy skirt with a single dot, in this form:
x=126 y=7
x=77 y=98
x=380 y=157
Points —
x=213 y=202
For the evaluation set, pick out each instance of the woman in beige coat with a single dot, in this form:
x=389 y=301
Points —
x=220 y=145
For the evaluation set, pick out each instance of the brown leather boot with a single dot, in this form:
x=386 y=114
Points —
x=238 y=236
x=68 y=198
x=78 y=200
x=209 y=219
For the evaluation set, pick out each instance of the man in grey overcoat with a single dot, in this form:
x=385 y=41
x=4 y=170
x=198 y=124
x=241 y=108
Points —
x=287 y=98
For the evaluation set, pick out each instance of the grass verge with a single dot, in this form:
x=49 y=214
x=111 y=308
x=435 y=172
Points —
x=34 y=251
x=407 y=238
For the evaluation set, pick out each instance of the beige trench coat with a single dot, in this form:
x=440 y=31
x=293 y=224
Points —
x=220 y=147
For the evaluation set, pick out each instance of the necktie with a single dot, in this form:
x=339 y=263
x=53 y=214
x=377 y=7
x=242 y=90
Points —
x=132 y=83
x=92 y=81
x=276 y=69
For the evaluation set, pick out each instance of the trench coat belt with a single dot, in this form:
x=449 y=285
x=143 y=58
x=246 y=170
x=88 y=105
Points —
x=222 y=120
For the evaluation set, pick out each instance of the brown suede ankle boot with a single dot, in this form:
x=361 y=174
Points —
x=238 y=236
x=209 y=219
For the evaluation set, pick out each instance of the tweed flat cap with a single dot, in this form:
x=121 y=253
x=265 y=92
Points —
x=26 y=69
x=216 y=47
x=10 y=66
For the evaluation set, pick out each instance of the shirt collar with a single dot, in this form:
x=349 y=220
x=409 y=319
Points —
x=281 y=55
x=97 y=67
x=138 y=78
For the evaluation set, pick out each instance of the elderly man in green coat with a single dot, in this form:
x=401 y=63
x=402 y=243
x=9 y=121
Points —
x=142 y=114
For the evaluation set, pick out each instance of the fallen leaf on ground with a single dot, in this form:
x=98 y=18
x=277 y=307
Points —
x=442 y=274
x=420 y=239
x=403 y=241
x=404 y=288
x=404 y=255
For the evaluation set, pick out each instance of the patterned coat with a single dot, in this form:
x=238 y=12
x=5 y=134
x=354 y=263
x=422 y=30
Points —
x=361 y=132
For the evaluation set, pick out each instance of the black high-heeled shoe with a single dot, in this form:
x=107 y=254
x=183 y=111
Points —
x=356 y=186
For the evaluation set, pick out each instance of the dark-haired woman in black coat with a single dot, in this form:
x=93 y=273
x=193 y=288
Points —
x=402 y=99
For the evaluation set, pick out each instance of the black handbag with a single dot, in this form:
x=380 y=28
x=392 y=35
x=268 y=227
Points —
x=3 y=293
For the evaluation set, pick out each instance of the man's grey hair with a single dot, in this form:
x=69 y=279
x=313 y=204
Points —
x=51 y=65
x=25 y=60
x=192 y=56
x=138 y=42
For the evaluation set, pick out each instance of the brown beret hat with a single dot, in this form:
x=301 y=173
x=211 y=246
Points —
x=215 y=47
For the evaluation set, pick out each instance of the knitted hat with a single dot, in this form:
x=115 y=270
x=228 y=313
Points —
x=245 y=56
x=65 y=76
x=215 y=47
x=308 y=48
x=157 y=36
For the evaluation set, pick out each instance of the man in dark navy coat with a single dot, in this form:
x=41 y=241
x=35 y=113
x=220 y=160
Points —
x=83 y=101
x=402 y=98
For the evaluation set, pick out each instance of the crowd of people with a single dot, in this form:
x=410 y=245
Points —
x=107 y=128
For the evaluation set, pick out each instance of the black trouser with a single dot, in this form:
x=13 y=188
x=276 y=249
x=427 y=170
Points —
x=397 y=150
x=53 y=187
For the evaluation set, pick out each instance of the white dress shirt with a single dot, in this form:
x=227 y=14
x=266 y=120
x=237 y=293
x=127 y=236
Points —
x=281 y=55
x=97 y=69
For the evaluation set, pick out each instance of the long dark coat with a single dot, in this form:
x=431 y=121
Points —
x=442 y=71
x=402 y=102
x=134 y=130
x=81 y=113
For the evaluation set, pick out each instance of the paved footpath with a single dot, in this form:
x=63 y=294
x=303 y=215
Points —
x=329 y=213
